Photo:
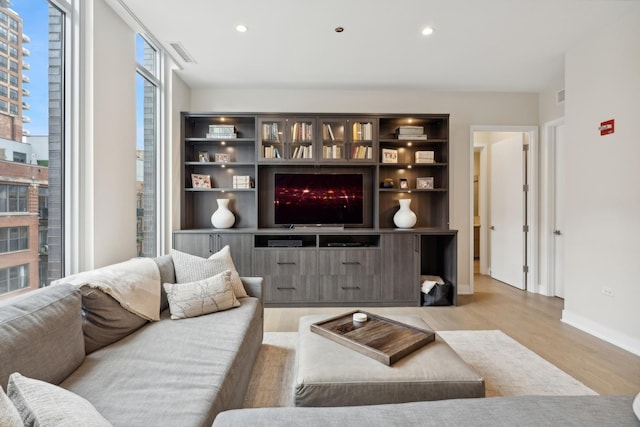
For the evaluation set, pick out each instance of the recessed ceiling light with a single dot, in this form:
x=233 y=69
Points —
x=339 y=29
x=427 y=31
x=241 y=28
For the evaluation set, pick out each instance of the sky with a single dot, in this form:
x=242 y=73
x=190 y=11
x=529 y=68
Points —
x=34 y=15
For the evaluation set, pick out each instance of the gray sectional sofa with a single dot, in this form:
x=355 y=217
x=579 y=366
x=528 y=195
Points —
x=521 y=411
x=164 y=373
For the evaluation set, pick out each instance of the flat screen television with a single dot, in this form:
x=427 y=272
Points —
x=318 y=199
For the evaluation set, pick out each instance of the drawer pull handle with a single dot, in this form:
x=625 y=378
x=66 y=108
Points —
x=351 y=262
x=286 y=263
x=287 y=288
x=350 y=288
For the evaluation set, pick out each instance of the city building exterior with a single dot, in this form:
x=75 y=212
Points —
x=23 y=171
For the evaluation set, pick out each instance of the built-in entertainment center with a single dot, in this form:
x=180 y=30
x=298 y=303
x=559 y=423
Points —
x=314 y=196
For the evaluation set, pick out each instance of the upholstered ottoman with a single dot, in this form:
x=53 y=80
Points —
x=330 y=374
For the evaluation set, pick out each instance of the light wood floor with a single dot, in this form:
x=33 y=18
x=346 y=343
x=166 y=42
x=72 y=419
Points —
x=531 y=319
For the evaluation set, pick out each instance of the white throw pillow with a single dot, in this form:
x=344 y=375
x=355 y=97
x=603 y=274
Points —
x=636 y=406
x=42 y=404
x=9 y=415
x=190 y=268
x=201 y=297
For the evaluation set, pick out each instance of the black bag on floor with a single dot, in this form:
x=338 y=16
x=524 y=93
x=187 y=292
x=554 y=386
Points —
x=438 y=295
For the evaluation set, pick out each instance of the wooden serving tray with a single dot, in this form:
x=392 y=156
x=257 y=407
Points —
x=382 y=339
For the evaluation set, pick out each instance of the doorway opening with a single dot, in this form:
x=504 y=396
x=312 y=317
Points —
x=503 y=164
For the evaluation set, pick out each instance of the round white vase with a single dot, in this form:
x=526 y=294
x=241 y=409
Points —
x=223 y=217
x=405 y=217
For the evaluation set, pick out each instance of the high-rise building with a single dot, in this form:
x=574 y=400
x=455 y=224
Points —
x=23 y=170
x=12 y=77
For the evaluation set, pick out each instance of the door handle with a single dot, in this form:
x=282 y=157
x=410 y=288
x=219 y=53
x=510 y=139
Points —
x=492 y=228
x=557 y=232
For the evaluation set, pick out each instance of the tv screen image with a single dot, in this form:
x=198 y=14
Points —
x=318 y=199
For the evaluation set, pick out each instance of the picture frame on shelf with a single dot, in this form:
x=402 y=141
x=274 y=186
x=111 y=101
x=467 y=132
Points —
x=222 y=157
x=404 y=183
x=203 y=157
x=200 y=181
x=425 y=183
x=389 y=155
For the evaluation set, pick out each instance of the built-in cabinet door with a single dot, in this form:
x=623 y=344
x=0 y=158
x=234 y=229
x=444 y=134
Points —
x=206 y=244
x=349 y=274
x=290 y=275
x=401 y=275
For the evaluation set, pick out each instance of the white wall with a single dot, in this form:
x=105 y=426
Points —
x=180 y=101
x=602 y=238
x=108 y=170
x=466 y=109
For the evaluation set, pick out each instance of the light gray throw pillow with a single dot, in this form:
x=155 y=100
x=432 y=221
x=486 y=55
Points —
x=9 y=415
x=201 y=297
x=636 y=406
x=42 y=404
x=190 y=268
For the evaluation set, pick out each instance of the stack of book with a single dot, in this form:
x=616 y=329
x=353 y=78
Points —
x=222 y=132
x=425 y=157
x=410 y=133
x=362 y=152
x=241 y=181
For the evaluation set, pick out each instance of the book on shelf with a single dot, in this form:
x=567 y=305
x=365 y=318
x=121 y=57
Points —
x=270 y=132
x=404 y=137
x=332 y=152
x=425 y=157
x=410 y=130
x=222 y=132
x=222 y=135
x=328 y=133
x=241 y=181
x=301 y=132
x=362 y=131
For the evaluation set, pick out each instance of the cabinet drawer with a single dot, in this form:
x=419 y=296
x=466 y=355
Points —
x=349 y=262
x=290 y=275
x=349 y=275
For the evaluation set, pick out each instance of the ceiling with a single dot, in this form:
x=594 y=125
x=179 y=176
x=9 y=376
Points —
x=478 y=45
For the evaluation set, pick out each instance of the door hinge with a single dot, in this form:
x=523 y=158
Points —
x=525 y=147
x=525 y=228
x=525 y=268
x=525 y=187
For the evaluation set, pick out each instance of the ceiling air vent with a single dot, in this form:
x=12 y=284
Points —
x=560 y=96
x=180 y=50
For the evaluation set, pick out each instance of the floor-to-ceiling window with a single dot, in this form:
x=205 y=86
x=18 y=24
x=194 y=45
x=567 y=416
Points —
x=147 y=145
x=32 y=141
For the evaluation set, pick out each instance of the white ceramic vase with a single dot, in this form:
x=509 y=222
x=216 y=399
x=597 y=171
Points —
x=405 y=217
x=223 y=217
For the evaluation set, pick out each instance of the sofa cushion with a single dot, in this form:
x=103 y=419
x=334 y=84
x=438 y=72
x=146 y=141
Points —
x=636 y=406
x=174 y=373
x=201 y=297
x=190 y=268
x=48 y=318
x=521 y=411
x=42 y=404
x=9 y=415
x=105 y=321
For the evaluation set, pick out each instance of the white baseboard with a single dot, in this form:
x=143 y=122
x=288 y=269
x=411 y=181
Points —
x=609 y=335
x=464 y=289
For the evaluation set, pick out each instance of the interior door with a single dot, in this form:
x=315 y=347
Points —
x=558 y=211
x=507 y=214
